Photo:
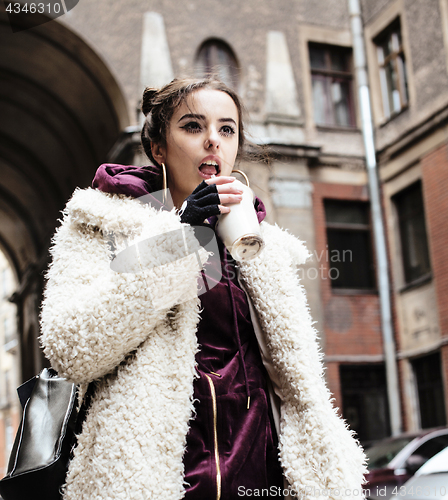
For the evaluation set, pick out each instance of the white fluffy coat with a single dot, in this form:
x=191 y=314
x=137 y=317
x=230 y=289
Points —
x=135 y=333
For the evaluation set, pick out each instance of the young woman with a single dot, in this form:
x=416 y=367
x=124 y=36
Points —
x=198 y=396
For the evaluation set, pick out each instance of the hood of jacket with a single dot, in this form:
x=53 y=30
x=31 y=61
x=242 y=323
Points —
x=142 y=182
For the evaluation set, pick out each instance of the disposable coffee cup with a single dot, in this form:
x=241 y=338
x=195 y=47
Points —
x=239 y=229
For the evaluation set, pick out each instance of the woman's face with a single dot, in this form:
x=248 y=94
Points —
x=201 y=141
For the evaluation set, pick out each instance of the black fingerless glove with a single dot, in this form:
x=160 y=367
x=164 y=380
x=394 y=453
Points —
x=200 y=205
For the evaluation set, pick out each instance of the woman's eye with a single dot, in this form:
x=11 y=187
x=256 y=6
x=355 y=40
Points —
x=227 y=130
x=192 y=127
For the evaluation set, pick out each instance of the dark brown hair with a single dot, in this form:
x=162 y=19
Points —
x=159 y=105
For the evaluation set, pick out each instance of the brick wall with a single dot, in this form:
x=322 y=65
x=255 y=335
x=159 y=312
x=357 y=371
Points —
x=352 y=323
x=435 y=193
x=334 y=383
x=14 y=413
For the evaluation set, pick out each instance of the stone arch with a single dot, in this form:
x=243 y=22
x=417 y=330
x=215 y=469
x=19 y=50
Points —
x=61 y=112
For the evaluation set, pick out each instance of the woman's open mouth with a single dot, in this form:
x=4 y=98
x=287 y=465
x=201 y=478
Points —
x=209 y=168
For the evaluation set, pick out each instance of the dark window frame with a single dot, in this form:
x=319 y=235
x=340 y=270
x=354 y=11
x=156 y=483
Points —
x=209 y=61
x=359 y=383
x=328 y=76
x=364 y=228
x=429 y=387
x=412 y=277
x=397 y=60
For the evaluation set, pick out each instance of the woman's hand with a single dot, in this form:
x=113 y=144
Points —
x=208 y=199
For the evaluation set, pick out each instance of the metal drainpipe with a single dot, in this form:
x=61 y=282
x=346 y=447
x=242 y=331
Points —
x=377 y=216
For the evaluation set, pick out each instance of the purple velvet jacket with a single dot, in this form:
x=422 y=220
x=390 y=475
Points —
x=232 y=441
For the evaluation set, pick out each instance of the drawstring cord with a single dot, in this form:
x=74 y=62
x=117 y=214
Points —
x=235 y=324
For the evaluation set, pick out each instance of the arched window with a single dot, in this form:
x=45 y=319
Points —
x=216 y=58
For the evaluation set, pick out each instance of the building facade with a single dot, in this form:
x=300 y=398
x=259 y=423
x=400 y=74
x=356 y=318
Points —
x=71 y=90
x=407 y=55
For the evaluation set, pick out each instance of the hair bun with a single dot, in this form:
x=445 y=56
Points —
x=147 y=99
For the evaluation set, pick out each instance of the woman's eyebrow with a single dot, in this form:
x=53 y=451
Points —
x=191 y=116
x=227 y=120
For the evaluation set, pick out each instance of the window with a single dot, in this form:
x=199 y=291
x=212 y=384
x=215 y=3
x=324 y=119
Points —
x=414 y=243
x=216 y=58
x=9 y=331
x=364 y=400
x=9 y=435
x=331 y=75
x=7 y=379
x=428 y=375
x=350 y=256
x=4 y=290
x=392 y=64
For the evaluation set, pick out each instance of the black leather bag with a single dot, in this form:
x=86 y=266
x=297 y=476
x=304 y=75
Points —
x=45 y=439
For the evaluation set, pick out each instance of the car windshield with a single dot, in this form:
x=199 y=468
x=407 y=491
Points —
x=438 y=463
x=379 y=455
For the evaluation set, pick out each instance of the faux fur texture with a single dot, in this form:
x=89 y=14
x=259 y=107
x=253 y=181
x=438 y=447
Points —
x=135 y=334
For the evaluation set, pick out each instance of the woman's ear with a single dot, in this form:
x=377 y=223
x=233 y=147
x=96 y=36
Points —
x=158 y=152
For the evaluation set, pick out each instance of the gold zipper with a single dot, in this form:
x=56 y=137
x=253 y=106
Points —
x=215 y=437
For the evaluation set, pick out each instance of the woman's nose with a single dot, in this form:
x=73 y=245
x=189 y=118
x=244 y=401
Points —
x=213 y=140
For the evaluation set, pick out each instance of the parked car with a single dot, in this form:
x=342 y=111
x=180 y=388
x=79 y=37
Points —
x=430 y=482
x=393 y=461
